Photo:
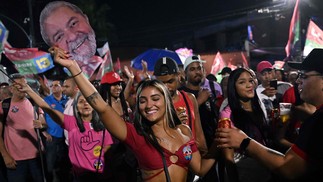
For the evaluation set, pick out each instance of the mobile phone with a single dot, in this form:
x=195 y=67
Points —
x=273 y=83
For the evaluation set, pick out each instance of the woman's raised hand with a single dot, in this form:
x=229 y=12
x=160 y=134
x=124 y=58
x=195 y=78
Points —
x=129 y=73
x=61 y=56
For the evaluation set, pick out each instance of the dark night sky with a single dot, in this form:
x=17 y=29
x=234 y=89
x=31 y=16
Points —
x=135 y=18
x=146 y=23
x=140 y=22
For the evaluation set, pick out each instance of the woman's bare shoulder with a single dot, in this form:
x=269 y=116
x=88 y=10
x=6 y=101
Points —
x=185 y=129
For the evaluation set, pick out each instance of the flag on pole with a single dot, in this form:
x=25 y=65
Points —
x=294 y=31
x=218 y=64
x=29 y=60
x=117 y=67
x=107 y=64
x=314 y=38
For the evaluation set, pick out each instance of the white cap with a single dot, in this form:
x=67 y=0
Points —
x=192 y=59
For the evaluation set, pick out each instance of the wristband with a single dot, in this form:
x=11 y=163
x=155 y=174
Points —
x=73 y=76
x=244 y=144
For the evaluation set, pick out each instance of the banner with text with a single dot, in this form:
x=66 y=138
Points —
x=29 y=60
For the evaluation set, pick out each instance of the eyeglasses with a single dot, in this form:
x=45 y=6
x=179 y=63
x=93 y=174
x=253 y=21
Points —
x=303 y=76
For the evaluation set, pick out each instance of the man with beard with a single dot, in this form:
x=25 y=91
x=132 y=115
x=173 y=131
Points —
x=194 y=72
x=64 y=25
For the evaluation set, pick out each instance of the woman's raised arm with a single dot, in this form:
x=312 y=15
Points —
x=112 y=121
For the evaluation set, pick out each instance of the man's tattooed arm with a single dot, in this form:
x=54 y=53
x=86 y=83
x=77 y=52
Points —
x=93 y=97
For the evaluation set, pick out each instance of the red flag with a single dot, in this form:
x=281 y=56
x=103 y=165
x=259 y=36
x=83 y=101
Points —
x=294 y=30
x=279 y=64
x=218 y=64
x=29 y=60
x=314 y=38
x=107 y=65
x=117 y=66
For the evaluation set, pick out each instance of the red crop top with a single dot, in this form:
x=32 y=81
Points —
x=150 y=159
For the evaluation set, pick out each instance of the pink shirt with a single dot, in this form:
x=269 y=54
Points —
x=20 y=137
x=84 y=148
x=226 y=113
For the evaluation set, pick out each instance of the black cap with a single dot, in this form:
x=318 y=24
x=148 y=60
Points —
x=225 y=70
x=4 y=84
x=313 y=62
x=165 y=66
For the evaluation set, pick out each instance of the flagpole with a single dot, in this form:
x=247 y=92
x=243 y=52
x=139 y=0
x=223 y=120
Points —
x=31 y=24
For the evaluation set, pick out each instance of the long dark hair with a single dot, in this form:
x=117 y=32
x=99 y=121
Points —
x=143 y=126
x=96 y=122
x=105 y=92
x=239 y=116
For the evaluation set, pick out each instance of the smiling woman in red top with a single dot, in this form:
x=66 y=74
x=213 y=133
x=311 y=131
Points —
x=165 y=149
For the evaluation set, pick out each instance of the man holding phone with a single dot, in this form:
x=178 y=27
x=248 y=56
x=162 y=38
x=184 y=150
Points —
x=270 y=91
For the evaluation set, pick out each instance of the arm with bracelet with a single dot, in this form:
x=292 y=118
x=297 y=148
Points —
x=290 y=165
x=112 y=121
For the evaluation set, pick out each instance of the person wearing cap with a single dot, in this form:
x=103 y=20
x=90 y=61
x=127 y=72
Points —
x=112 y=92
x=225 y=71
x=268 y=95
x=166 y=70
x=303 y=161
x=20 y=153
x=194 y=74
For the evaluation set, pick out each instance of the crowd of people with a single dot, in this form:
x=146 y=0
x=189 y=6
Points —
x=160 y=127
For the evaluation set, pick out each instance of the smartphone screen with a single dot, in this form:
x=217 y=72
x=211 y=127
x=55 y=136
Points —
x=273 y=83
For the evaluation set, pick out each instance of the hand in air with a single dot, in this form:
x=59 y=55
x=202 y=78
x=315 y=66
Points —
x=129 y=73
x=61 y=56
x=144 y=66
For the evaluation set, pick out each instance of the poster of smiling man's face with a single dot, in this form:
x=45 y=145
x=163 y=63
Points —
x=64 y=25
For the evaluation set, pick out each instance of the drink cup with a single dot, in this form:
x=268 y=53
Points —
x=224 y=123
x=285 y=109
